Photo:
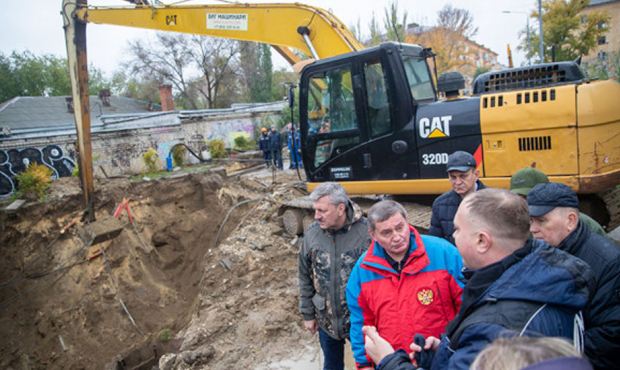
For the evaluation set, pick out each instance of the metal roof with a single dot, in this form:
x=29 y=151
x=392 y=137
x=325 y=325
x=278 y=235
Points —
x=49 y=112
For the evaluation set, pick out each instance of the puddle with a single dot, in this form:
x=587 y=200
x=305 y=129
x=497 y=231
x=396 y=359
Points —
x=310 y=358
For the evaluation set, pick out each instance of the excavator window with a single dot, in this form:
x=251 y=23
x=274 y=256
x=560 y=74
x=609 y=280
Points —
x=332 y=119
x=378 y=107
x=419 y=78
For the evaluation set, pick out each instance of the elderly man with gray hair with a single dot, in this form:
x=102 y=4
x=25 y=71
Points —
x=405 y=284
x=332 y=245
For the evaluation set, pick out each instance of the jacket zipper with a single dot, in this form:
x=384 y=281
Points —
x=335 y=291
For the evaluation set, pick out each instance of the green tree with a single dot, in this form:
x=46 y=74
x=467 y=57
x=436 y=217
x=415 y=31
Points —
x=26 y=74
x=480 y=70
x=256 y=70
x=266 y=73
x=395 y=30
x=603 y=69
x=375 y=31
x=568 y=33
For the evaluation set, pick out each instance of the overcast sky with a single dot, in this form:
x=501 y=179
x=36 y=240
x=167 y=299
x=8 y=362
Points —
x=36 y=25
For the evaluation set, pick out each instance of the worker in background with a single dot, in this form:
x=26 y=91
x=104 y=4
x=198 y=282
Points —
x=294 y=148
x=555 y=219
x=515 y=284
x=275 y=145
x=463 y=177
x=406 y=283
x=263 y=144
x=332 y=244
x=526 y=178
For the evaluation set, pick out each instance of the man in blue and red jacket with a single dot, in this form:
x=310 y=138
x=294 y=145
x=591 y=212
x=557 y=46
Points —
x=404 y=284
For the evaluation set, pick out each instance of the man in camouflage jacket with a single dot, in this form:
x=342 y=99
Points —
x=331 y=247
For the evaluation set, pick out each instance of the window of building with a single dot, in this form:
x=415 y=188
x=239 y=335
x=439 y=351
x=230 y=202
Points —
x=602 y=55
x=602 y=40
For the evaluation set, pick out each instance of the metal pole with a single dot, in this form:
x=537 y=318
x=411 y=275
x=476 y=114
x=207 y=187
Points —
x=529 y=47
x=75 y=38
x=541 y=45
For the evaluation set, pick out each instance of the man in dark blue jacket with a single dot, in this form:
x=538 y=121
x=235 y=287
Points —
x=463 y=177
x=275 y=145
x=554 y=211
x=263 y=144
x=515 y=284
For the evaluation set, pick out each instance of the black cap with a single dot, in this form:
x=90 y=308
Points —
x=460 y=161
x=545 y=197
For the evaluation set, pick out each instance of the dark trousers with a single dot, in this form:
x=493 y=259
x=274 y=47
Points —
x=333 y=351
x=267 y=157
x=276 y=156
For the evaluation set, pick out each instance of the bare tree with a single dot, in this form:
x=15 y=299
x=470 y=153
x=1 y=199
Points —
x=458 y=20
x=217 y=60
x=196 y=66
x=167 y=60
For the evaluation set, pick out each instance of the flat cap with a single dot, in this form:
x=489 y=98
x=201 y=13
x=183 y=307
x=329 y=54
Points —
x=545 y=197
x=460 y=161
x=525 y=179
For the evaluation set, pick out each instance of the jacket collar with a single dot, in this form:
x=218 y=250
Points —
x=575 y=240
x=375 y=259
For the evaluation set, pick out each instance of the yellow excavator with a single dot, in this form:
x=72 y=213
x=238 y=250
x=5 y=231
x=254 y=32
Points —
x=387 y=130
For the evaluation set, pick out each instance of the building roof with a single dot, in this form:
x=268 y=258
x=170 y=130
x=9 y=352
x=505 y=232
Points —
x=38 y=117
x=601 y=2
x=50 y=112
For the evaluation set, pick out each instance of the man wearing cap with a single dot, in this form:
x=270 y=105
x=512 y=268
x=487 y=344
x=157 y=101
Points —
x=275 y=145
x=526 y=178
x=554 y=217
x=263 y=144
x=463 y=177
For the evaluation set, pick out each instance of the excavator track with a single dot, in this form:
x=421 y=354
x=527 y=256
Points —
x=611 y=198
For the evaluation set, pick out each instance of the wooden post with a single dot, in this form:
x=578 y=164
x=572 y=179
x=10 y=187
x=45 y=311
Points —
x=75 y=38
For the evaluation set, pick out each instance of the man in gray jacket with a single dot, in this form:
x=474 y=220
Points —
x=331 y=247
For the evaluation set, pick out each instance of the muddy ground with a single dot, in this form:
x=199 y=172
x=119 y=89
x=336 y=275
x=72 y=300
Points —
x=163 y=286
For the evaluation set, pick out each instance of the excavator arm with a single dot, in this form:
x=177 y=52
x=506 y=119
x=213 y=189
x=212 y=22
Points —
x=283 y=26
x=294 y=30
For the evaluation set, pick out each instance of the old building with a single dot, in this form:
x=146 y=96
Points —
x=42 y=130
x=454 y=51
x=610 y=42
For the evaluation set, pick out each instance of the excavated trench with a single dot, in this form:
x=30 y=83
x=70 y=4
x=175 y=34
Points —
x=161 y=287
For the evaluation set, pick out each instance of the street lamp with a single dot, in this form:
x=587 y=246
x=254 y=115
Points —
x=527 y=22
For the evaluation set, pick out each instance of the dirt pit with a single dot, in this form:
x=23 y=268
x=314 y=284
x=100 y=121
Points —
x=164 y=293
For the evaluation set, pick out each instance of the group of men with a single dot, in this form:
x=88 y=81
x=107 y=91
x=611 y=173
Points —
x=270 y=143
x=525 y=263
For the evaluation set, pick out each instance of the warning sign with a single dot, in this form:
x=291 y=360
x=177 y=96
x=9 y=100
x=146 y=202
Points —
x=229 y=22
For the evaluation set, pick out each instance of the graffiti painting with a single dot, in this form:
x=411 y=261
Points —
x=14 y=161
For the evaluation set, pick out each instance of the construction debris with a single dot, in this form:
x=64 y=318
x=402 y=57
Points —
x=161 y=291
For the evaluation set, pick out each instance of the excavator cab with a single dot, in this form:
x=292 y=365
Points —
x=357 y=112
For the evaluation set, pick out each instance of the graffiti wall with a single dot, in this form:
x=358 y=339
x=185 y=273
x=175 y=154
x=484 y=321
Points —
x=118 y=151
x=14 y=161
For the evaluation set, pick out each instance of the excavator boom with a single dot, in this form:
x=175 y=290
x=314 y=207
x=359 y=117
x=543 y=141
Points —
x=292 y=29
x=280 y=25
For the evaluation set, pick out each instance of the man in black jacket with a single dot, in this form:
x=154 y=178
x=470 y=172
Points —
x=554 y=216
x=463 y=177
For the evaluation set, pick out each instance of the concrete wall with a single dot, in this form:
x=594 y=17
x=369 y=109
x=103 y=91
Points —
x=118 y=147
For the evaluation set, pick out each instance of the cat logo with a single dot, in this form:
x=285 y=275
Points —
x=425 y=296
x=432 y=128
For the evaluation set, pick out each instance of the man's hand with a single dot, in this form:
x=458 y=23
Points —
x=431 y=343
x=311 y=326
x=376 y=347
